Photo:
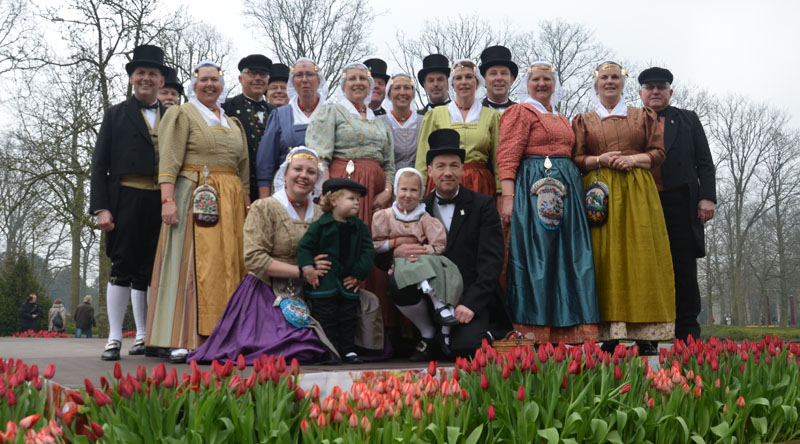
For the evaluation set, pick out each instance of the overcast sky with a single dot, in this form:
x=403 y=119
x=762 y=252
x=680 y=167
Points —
x=748 y=47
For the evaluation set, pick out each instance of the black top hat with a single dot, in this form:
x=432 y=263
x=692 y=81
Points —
x=444 y=141
x=378 y=68
x=172 y=81
x=497 y=55
x=655 y=74
x=433 y=63
x=279 y=72
x=255 y=61
x=147 y=55
x=340 y=183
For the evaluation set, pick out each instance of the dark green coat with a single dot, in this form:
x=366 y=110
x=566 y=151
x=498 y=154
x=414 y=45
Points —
x=321 y=237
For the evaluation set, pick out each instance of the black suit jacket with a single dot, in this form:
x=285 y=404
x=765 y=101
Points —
x=689 y=162
x=237 y=106
x=123 y=147
x=475 y=245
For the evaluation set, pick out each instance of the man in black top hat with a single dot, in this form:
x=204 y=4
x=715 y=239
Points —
x=499 y=71
x=474 y=244
x=170 y=94
x=277 y=93
x=433 y=77
x=251 y=108
x=377 y=68
x=125 y=194
x=687 y=188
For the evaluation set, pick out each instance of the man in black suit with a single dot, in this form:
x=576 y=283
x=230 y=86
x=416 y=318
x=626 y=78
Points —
x=474 y=244
x=251 y=107
x=500 y=73
x=125 y=195
x=433 y=77
x=170 y=94
x=687 y=188
x=377 y=68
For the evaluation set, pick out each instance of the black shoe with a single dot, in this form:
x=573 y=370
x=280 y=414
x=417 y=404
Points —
x=447 y=321
x=443 y=341
x=111 y=353
x=352 y=358
x=138 y=347
x=647 y=348
x=424 y=351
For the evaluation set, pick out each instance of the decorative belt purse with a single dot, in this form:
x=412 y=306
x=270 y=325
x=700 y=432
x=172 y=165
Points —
x=596 y=202
x=550 y=194
x=289 y=297
x=205 y=203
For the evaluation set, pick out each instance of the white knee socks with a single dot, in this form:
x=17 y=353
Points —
x=139 y=304
x=116 y=303
x=419 y=316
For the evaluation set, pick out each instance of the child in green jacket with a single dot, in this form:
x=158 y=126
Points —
x=345 y=238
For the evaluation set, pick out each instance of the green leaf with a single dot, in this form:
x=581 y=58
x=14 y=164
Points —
x=721 y=429
x=453 y=433
x=572 y=420
x=475 y=435
x=569 y=441
x=684 y=427
x=698 y=439
x=599 y=429
x=622 y=419
x=760 y=424
x=551 y=435
x=613 y=437
x=702 y=420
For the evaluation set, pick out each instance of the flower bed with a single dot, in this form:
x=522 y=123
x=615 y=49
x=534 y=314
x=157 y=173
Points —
x=703 y=392
x=39 y=334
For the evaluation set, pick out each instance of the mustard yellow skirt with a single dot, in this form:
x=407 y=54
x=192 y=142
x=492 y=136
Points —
x=197 y=268
x=632 y=260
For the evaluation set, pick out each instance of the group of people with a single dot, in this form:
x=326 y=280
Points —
x=280 y=221
x=30 y=313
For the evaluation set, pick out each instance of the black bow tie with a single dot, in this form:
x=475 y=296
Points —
x=143 y=106
x=256 y=103
x=443 y=201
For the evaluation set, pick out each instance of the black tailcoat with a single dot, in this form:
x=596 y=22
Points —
x=240 y=107
x=123 y=147
x=475 y=245
x=688 y=162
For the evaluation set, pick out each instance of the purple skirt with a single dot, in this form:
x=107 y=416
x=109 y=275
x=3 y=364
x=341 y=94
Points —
x=251 y=326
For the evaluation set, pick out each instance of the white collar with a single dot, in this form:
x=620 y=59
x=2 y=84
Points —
x=473 y=115
x=539 y=107
x=620 y=109
x=345 y=102
x=209 y=116
x=410 y=122
x=283 y=198
x=413 y=216
x=299 y=116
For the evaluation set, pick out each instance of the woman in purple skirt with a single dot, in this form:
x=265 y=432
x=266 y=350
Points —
x=267 y=313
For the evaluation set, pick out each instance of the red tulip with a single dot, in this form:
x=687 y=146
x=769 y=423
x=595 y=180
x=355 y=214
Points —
x=97 y=429
x=491 y=413
x=365 y=424
x=625 y=389
x=11 y=432
x=484 y=381
x=416 y=411
x=314 y=412
x=651 y=402
x=337 y=417
x=241 y=364
x=617 y=373
x=315 y=393
x=353 y=421
x=294 y=367
x=506 y=372
x=169 y=381
x=28 y=421
x=698 y=392
x=740 y=402
x=49 y=371
x=432 y=368
x=227 y=369
x=574 y=367
x=304 y=426
x=564 y=382
x=521 y=393
x=117 y=371
x=379 y=412
x=88 y=385
x=717 y=383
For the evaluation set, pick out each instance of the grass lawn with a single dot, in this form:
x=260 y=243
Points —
x=750 y=333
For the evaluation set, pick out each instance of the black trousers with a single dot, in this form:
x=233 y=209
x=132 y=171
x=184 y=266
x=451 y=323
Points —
x=132 y=243
x=677 y=215
x=464 y=338
x=338 y=316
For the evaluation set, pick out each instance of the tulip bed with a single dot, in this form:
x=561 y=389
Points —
x=717 y=391
x=39 y=334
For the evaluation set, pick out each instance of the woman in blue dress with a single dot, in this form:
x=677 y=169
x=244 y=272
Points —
x=286 y=126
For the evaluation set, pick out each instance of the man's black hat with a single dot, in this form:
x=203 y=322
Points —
x=255 y=61
x=149 y=56
x=497 y=55
x=444 y=141
x=172 y=81
x=340 y=183
x=655 y=74
x=378 y=68
x=279 y=72
x=433 y=63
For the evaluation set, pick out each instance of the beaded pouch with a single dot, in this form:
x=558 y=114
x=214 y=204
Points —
x=596 y=202
x=205 y=203
x=550 y=194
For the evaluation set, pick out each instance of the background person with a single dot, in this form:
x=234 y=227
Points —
x=199 y=263
x=500 y=72
x=552 y=295
x=433 y=77
x=170 y=94
x=84 y=318
x=687 y=189
x=402 y=120
x=377 y=69
x=286 y=127
x=617 y=145
x=57 y=323
x=29 y=314
x=277 y=88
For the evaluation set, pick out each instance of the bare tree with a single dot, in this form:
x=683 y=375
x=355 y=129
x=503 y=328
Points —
x=331 y=32
x=19 y=47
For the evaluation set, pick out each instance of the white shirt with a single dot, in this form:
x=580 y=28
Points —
x=446 y=211
x=150 y=116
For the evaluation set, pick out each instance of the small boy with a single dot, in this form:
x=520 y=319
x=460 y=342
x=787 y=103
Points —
x=345 y=238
